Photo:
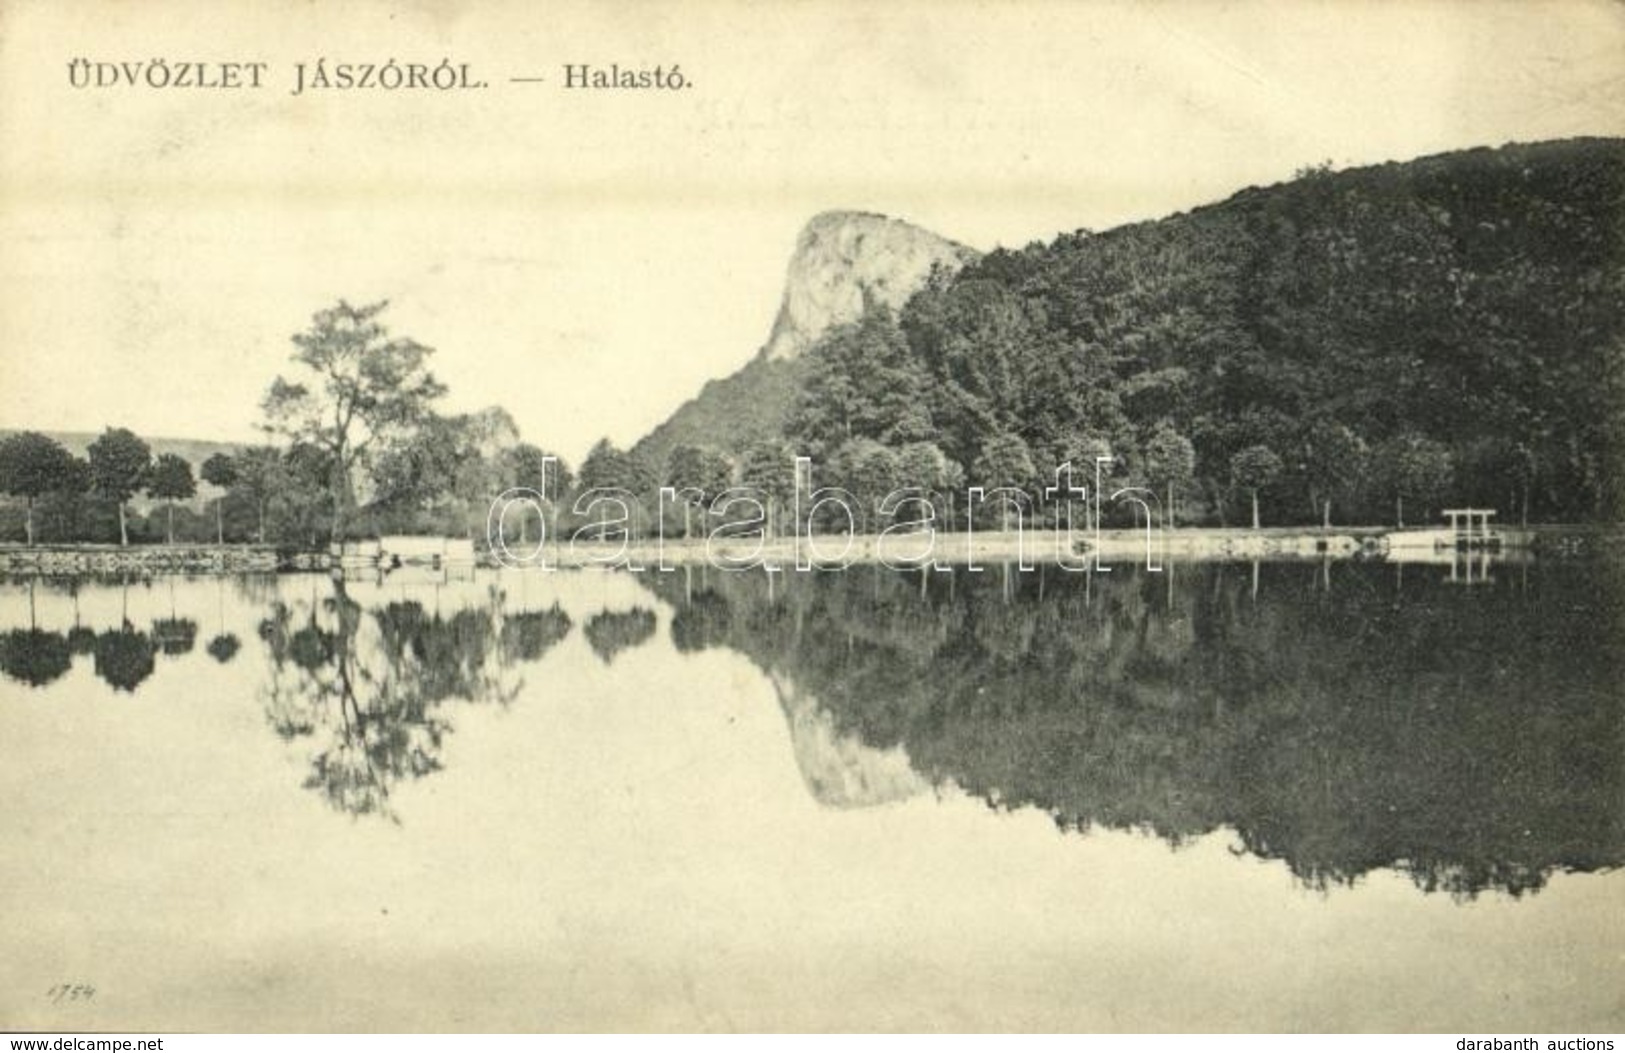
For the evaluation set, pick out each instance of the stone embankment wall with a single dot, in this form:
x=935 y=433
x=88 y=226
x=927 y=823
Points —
x=153 y=559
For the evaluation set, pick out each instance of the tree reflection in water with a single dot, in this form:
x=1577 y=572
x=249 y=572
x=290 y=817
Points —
x=527 y=636
x=370 y=689
x=34 y=656
x=1331 y=717
x=611 y=632
x=174 y=636
x=122 y=657
x=224 y=648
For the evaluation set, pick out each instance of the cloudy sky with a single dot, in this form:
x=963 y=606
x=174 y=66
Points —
x=588 y=259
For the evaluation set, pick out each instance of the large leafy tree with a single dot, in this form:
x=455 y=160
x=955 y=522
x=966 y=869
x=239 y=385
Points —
x=488 y=434
x=170 y=480
x=870 y=471
x=360 y=390
x=862 y=383
x=1255 y=468
x=66 y=505
x=527 y=465
x=1005 y=462
x=1335 y=465
x=435 y=460
x=769 y=466
x=1170 y=460
x=1415 y=467
x=607 y=466
x=302 y=505
x=453 y=465
x=118 y=469
x=219 y=470
x=699 y=467
x=699 y=474
x=1090 y=453
x=31 y=465
x=260 y=472
x=924 y=466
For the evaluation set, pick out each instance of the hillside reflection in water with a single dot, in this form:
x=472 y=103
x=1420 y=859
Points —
x=1341 y=719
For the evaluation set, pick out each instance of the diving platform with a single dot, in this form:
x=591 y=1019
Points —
x=1469 y=530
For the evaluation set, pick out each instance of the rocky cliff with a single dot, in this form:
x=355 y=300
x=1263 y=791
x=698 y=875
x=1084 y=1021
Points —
x=842 y=262
x=839 y=770
x=847 y=261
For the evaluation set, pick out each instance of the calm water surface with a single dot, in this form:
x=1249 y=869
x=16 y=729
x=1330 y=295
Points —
x=1289 y=796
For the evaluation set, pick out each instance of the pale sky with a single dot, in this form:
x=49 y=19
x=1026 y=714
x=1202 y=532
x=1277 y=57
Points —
x=588 y=260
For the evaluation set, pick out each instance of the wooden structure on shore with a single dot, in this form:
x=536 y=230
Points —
x=1469 y=531
x=390 y=553
x=1471 y=527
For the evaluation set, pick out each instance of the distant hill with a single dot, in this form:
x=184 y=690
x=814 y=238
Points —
x=195 y=451
x=729 y=414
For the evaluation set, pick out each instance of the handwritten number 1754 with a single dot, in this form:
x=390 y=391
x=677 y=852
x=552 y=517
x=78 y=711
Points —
x=71 y=993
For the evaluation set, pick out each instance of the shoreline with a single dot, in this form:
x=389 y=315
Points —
x=163 y=559
x=1190 y=544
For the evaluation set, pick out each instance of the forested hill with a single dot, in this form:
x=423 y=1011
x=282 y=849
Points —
x=745 y=408
x=1449 y=329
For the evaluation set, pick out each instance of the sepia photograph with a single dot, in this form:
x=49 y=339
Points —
x=802 y=517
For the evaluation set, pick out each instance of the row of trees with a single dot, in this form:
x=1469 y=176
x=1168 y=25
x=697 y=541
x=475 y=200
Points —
x=357 y=446
x=857 y=443
x=1337 y=468
x=122 y=657
x=116 y=467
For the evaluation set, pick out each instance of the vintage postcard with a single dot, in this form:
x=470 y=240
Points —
x=812 y=516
